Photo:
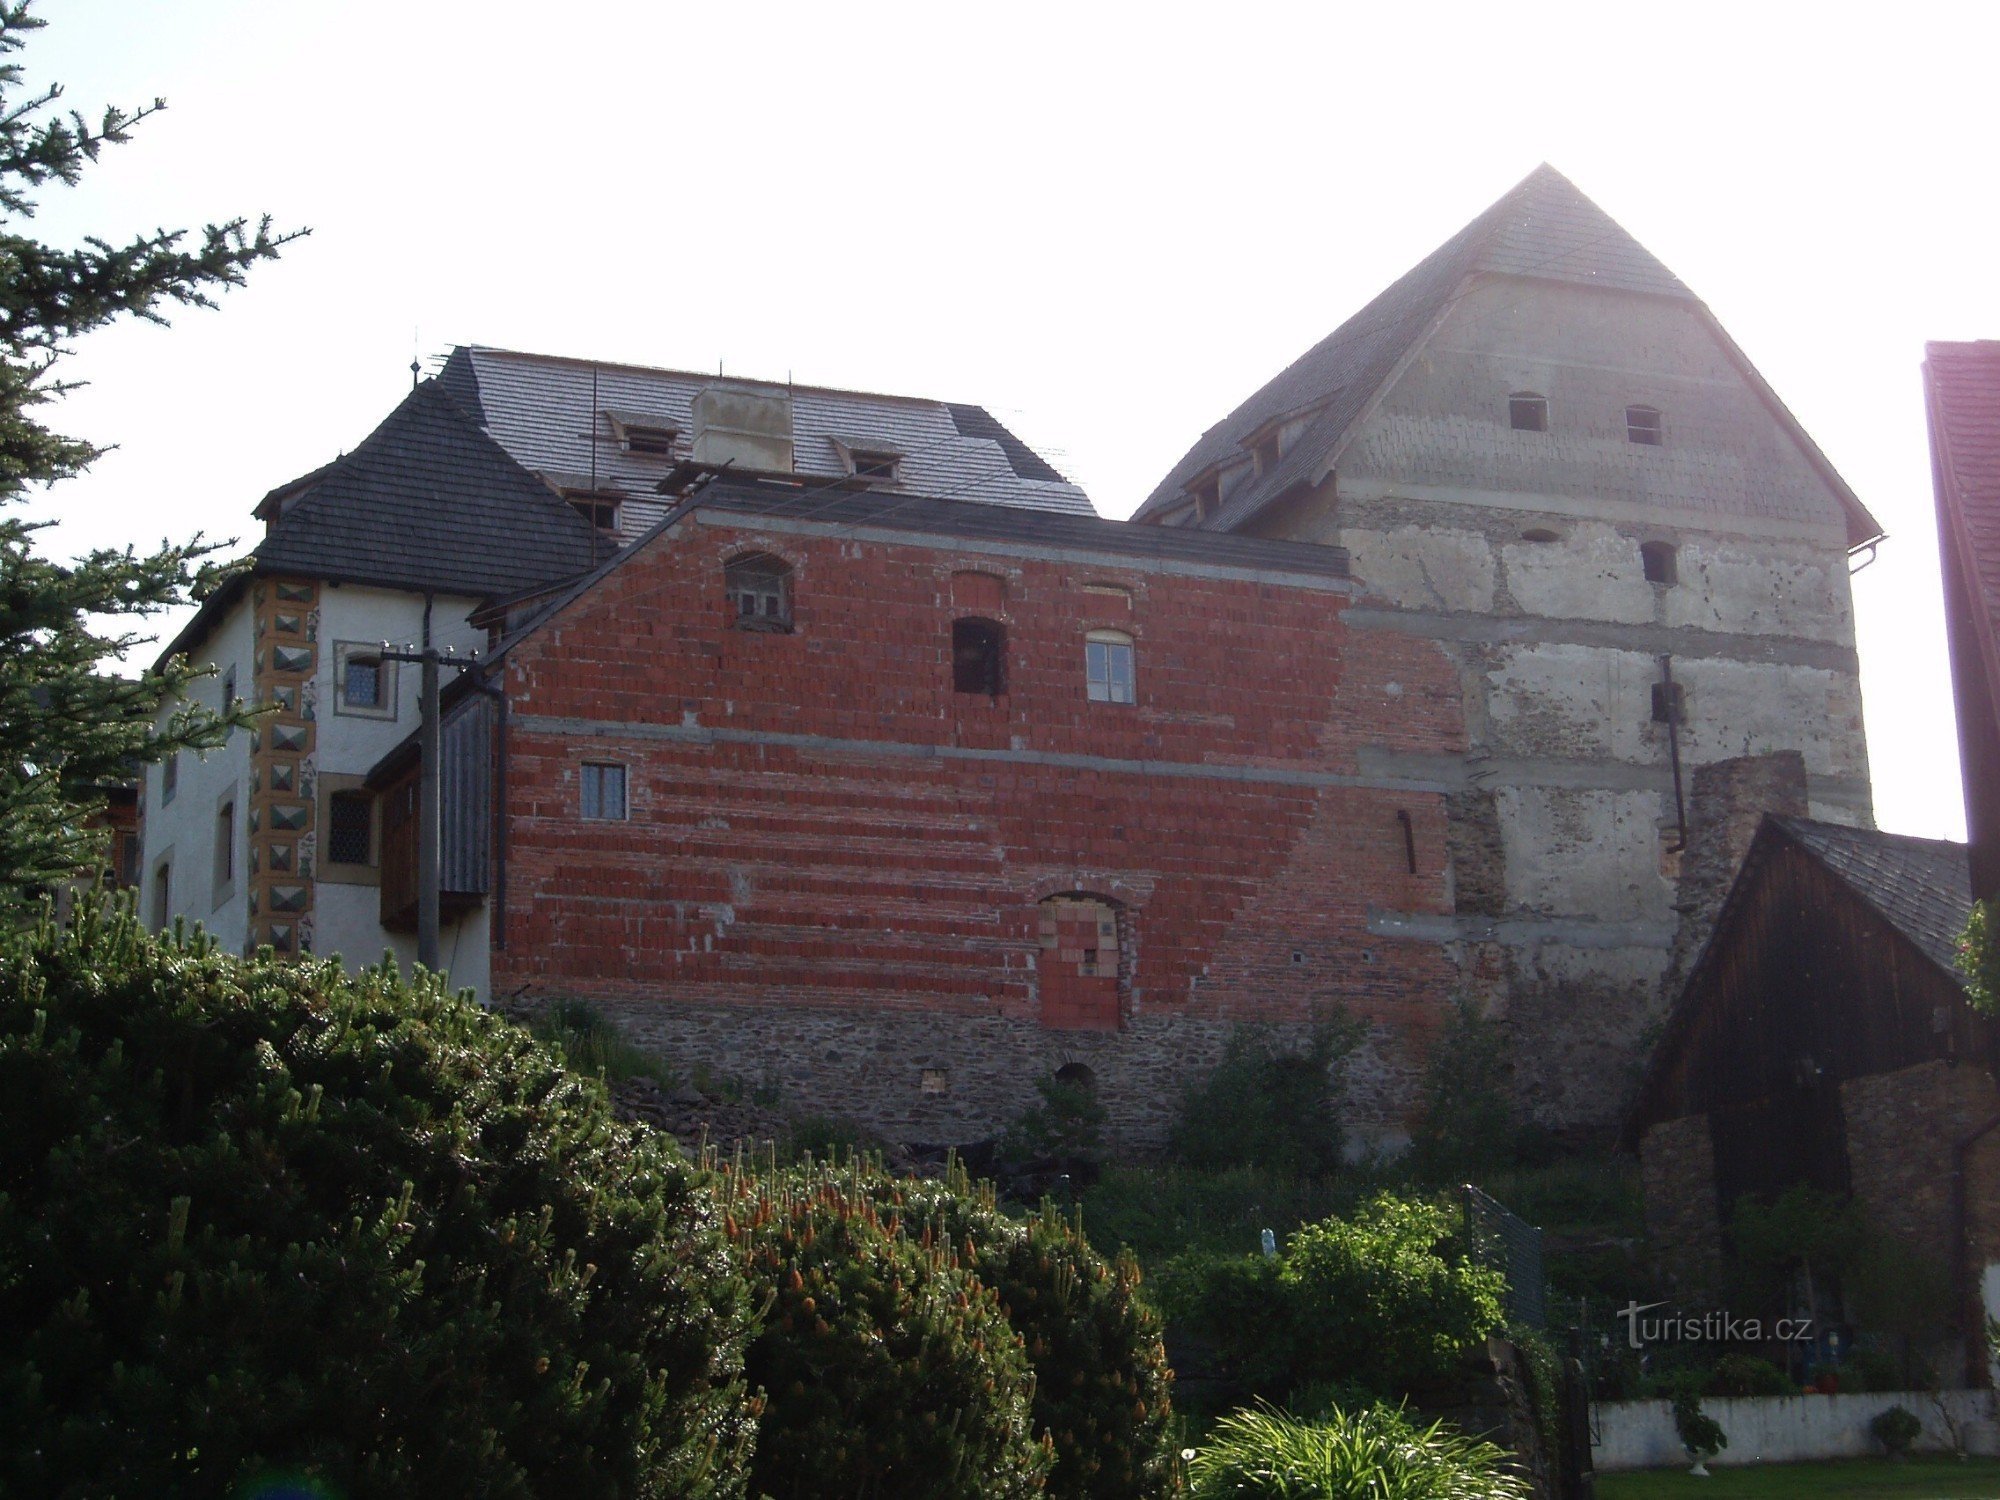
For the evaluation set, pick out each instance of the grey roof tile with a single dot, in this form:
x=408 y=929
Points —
x=429 y=502
x=1922 y=887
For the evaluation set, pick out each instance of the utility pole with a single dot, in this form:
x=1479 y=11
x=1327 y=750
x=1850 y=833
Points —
x=430 y=778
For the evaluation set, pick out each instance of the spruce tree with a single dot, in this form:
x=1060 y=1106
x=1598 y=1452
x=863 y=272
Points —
x=69 y=723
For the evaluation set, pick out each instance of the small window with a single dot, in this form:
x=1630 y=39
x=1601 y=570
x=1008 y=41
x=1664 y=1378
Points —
x=1108 y=666
x=170 y=777
x=1642 y=425
x=978 y=657
x=933 y=1081
x=760 y=591
x=1669 y=703
x=604 y=791
x=1528 y=412
x=1540 y=535
x=601 y=513
x=1265 y=452
x=229 y=690
x=643 y=439
x=1207 y=497
x=350 y=827
x=1657 y=558
x=365 y=684
x=163 y=895
x=225 y=845
x=872 y=463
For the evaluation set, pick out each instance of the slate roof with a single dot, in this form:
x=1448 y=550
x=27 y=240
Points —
x=429 y=502
x=1921 y=887
x=1962 y=384
x=555 y=416
x=1543 y=228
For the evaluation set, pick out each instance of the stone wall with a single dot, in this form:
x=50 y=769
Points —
x=1683 y=1219
x=1727 y=801
x=842 y=877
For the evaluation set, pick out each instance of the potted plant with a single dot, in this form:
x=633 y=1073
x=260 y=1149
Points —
x=1896 y=1429
x=1700 y=1434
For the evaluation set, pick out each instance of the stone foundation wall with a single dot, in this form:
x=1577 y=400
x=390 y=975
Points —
x=1683 y=1221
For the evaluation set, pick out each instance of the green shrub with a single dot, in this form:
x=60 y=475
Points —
x=1469 y=1125
x=1264 y=1105
x=1979 y=957
x=1370 y=1454
x=887 y=1365
x=1102 y=1385
x=258 y=1216
x=1381 y=1301
x=1896 y=1429
x=1699 y=1433
x=1063 y=1127
x=1747 y=1375
x=594 y=1045
x=1165 y=1211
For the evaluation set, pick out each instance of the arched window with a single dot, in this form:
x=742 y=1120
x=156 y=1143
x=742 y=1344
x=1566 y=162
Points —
x=760 y=591
x=1528 y=411
x=1657 y=558
x=1642 y=425
x=978 y=656
x=1110 y=670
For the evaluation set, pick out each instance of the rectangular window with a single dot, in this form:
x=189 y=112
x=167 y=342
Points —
x=163 y=895
x=225 y=844
x=170 y=777
x=1669 y=703
x=1108 y=669
x=1642 y=425
x=229 y=692
x=603 y=791
x=364 y=683
x=350 y=825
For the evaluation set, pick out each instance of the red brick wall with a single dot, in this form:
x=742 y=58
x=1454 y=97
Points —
x=834 y=914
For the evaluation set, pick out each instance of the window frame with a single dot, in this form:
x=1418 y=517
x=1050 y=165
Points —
x=585 y=794
x=1518 y=401
x=752 y=564
x=346 y=653
x=340 y=797
x=1634 y=429
x=993 y=662
x=222 y=874
x=170 y=777
x=1112 y=641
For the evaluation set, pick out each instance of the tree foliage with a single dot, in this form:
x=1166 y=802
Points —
x=1267 y=1104
x=69 y=726
x=1979 y=958
x=259 y=1218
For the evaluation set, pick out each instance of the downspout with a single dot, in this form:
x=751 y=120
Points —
x=498 y=926
x=1976 y=1372
x=1674 y=753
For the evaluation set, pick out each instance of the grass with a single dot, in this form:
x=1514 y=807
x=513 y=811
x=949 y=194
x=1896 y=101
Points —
x=592 y=1044
x=1923 y=1478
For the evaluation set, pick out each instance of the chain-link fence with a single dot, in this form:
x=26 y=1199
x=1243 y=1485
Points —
x=1509 y=1244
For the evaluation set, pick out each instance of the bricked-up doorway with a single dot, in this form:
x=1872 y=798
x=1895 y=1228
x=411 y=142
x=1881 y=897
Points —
x=1082 y=973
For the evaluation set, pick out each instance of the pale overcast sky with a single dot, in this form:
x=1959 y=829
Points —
x=1107 y=224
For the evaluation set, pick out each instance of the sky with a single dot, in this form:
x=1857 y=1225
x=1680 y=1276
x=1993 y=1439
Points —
x=1107 y=224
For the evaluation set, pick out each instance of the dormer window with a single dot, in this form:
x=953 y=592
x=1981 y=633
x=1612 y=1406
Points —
x=1207 y=497
x=640 y=434
x=872 y=463
x=1642 y=425
x=1265 y=452
x=1528 y=411
x=600 y=512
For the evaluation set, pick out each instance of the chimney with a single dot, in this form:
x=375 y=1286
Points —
x=1729 y=802
x=748 y=426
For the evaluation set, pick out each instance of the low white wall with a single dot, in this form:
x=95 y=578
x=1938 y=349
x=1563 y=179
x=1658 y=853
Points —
x=1787 y=1429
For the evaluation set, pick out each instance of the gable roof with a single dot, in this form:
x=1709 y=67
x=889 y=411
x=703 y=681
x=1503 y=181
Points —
x=1921 y=887
x=555 y=415
x=1545 y=229
x=429 y=502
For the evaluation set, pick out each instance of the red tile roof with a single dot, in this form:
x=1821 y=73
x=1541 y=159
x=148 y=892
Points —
x=1962 y=391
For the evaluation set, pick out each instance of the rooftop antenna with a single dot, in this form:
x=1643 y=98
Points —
x=416 y=347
